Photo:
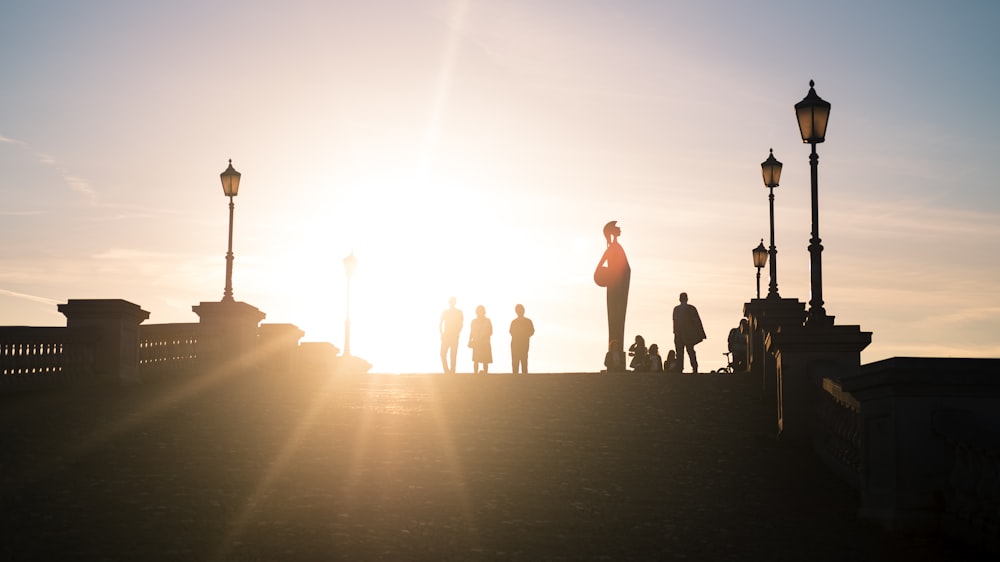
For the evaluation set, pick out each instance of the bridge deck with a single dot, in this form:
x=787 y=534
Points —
x=432 y=467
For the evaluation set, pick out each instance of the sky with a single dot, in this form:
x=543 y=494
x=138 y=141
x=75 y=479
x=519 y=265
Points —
x=475 y=149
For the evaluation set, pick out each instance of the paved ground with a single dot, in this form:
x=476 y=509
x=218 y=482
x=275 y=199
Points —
x=432 y=467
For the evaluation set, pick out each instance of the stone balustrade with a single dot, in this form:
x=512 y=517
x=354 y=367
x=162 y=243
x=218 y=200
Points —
x=167 y=347
x=907 y=462
x=972 y=494
x=837 y=431
x=40 y=356
x=104 y=341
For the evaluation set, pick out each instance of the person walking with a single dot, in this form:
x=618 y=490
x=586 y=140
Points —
x=480 y=331
x=450 y=327
x=521 y=330
x=688 y=332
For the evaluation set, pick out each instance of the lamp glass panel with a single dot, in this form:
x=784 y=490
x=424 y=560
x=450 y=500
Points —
x=230 y=181
x=821 y=115
x=813 y=112
x=804 y=115
x=771 y=170
x=760 y=256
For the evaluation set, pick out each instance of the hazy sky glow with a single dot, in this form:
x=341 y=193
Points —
x=475 y=149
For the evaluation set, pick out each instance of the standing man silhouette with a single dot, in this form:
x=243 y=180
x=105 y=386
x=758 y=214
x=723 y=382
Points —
x=614 y=273
x=450 y=327
x=688 y=332
x=521 y=330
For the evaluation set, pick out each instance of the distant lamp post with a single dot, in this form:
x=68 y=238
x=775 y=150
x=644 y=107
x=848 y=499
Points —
x=350 y=265
x=230 y=186
x=771 y=170
x=759 y=260
x=813 y=113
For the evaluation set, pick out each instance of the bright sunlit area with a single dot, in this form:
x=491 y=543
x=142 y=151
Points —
x=475 y=150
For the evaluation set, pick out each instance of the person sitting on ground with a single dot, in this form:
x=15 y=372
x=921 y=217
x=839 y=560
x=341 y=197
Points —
x=637 y=351
x=670 y=364
x=655 y=363
x=613 y=360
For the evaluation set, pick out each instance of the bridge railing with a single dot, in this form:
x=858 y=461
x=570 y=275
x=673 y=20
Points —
x=972 y=495
x=44 y=356
x=108 y=343
x=913 y=461
x=837 y=431
x=167 y=347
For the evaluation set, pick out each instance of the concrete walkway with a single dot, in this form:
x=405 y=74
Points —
x=424 y=467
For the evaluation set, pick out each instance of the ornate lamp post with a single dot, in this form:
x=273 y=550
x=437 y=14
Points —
x=350 y=265
x=759 y=259
x=813 y=113
x=771 y=170
x=230 y=186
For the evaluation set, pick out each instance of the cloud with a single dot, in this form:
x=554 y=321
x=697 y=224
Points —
x=73 y=182
x=27 y=297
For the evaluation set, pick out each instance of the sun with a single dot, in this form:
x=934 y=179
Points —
x=417 y=243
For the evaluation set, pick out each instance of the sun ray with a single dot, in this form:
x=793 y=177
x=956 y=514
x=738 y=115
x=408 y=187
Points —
x=133 y=419
x=276 y=468
x=442 y=89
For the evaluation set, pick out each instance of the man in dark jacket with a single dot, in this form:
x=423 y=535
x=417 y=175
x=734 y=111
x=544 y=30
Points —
x=688 y=332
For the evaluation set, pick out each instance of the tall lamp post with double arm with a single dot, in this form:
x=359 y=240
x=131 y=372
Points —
x=813 y=113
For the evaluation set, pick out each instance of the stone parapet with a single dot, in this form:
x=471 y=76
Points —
x=906 y=461
x=805 y=355
x=277 y=345
x=765 y=316
x=116 y=325
x=229 y=333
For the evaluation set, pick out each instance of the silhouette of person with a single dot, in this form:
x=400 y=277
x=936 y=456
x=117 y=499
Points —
x=655 y=362
x=480 y=331
x=738 y=345
x=521 y=330
x=614 y=359
x=637 y=351
x=670 y=363
x=688 y=332
x=450 y=327
x=614 y=273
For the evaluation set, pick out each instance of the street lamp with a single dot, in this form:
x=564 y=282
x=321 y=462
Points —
x=350 y=265
x=813 y=113
x=759 y=259
x=230 y=186
x=771 y=170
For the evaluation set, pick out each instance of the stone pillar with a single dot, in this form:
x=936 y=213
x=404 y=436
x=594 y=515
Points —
x=804 y=356
x=228 y=333
x=116 y=324
x=767 y=316
x=277 y=345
